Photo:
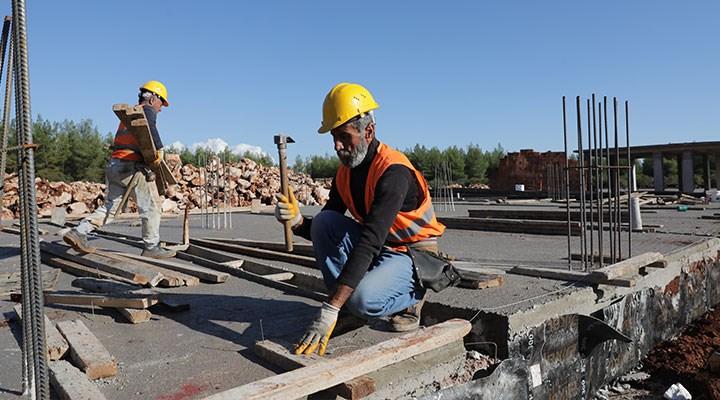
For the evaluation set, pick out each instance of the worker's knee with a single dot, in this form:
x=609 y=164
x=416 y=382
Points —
x=366 y=303
x=323 y=223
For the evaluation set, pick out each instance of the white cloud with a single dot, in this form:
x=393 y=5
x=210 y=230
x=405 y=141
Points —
x=177 y=145
x=218 y=145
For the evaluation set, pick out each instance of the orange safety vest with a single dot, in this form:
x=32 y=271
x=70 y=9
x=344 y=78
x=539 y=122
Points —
x=125 y=145
x=414 y=226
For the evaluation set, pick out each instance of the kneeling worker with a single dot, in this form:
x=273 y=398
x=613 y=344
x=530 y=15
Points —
x=126 y=159
x=363 y=260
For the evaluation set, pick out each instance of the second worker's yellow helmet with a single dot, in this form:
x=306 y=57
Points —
x=344 y=102
x=158 y=88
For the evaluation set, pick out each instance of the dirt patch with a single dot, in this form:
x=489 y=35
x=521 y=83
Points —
x=682 y=360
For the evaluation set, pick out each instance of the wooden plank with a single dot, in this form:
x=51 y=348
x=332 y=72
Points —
x=234 y=263
x=86 y=350
x=132 y=118
x=282 y=276
x=259 y=253
x=546 y=215
x=205 y=274
x=76 y=269
x=511 y=225
x=484 y=282
x=630 y=266
x=313 y=378
x=134 y=315
x=169 y=278
x=102 y=285
x=71 y=384
x=279 y=355
x=117 y=300
x=572 y=276
x=298 y=248
x=54 y=341
x=123 y=269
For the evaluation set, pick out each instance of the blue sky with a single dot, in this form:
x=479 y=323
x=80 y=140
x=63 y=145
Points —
x=444 y=73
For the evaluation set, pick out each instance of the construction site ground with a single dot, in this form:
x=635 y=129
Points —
x=208 y=348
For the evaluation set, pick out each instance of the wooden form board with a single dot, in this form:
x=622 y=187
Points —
x=572 y=276
x=86 y=350
x=547 y=215
x=630 y=266
x=116 y=300
x=255 y=252
x=54 y=341
x=132 y=315
x=124 y=269
x=204 y=274
x=76 y=269
x=511 y=225
x=69 y=383
x=298 y=248
x=169 y=278
x=322 y=375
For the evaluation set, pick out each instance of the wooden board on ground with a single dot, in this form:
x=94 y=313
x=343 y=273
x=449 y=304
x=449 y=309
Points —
x=123 y=269
x=169 y=278
x=69 y=383
x=259 y=253
x=76 y=269
x=10 y=282
x=298 y=248
x=572 y=276
x=54 y=341
x=86 y=350
x=115 y=300
x=328 y=373
x=630 y=266
x=95 y=285
x=511 y=225
x=205 y=274
x=134 y=315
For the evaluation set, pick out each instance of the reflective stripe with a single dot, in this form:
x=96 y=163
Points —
x=416 y=225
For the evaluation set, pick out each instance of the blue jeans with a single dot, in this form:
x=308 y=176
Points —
x=389 y=285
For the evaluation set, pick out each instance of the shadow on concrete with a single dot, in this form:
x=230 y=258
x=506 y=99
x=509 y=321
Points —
x=9 y=252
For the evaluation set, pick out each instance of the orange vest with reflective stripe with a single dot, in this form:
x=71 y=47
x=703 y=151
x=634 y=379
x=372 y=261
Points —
x=409 y=226
x=125 y=145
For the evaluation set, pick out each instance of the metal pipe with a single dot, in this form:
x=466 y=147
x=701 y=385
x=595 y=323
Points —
x=567 y=184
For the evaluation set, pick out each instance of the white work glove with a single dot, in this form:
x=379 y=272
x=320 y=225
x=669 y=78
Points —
x=288 y=210
x=318 y=334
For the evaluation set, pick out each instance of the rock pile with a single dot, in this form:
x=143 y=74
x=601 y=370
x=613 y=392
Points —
x=240 y=182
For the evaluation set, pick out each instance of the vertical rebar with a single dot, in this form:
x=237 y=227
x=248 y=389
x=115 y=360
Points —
x=611 y=237
x=4 y=39
x=567 y=184
x=590 y=182
x=601 y=189
x=630 y=177
x=618 y=220
x=581 y=171
x=30 y=258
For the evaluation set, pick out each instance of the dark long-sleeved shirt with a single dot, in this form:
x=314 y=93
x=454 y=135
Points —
x=396 y=190
x=151 y=116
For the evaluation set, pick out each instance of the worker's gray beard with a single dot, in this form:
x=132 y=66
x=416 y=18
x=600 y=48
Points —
x=354 y=158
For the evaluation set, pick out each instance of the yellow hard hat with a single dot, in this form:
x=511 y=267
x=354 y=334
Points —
x=158 y=88
x=344 y=102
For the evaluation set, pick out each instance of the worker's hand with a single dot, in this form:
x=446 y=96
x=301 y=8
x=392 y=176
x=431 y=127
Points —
x=318 y=334
x=288 y=209
x=159 y=156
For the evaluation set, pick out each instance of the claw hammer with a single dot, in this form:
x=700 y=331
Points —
x=281 y=141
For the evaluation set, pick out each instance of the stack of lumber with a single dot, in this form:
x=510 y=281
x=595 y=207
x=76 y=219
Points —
x=537 y=227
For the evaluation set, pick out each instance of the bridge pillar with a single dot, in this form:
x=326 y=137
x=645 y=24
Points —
x=687 y=176
x=658 y=173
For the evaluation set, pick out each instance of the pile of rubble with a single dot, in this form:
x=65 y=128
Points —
x=243 y=182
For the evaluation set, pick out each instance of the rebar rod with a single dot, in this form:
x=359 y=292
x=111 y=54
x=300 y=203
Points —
x=30 y=258
x=590 y=183
x=597 y=182
x=617 y=181
x=630 y=177
x=567 y=183
x=611 y=237
x=581 y=172
x=4 y=39
x=601 y=190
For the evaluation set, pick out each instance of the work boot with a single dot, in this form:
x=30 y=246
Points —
x=408 y=319
x=158 y=252
x=78 y=241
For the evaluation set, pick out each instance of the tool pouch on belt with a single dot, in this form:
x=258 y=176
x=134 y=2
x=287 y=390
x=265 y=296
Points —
x=433 y=272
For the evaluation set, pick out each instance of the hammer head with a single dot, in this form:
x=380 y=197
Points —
x=282 y=139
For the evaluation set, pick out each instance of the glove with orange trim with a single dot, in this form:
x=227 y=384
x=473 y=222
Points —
x=318 y=334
